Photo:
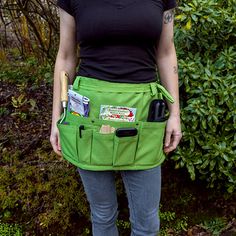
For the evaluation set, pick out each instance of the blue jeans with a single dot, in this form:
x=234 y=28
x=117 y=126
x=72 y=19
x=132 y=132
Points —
x=143 y=189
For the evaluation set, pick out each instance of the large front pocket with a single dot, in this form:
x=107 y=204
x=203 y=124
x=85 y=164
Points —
x=102 y=149
x=124 y=150
x=150 y=145
x=68 y=141
x=84 y=140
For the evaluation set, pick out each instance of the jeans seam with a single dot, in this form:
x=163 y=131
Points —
x=130 y=196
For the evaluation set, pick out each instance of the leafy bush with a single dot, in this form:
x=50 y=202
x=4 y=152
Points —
x=172 y=222
x=24 y=72
x=10 y=230
x=215 y=226
x=205 y=41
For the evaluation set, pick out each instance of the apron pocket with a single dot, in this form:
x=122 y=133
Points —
x=85 y=145
x=68 y=136
x=150 y=146
x=102 y=149
x=124 y=150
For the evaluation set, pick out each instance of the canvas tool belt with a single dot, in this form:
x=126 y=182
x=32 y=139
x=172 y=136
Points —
x=85 y=146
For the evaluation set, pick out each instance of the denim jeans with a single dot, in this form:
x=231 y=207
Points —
x=143 y=192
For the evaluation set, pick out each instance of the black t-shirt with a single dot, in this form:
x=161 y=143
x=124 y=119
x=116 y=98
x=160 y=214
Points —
x=118 y=38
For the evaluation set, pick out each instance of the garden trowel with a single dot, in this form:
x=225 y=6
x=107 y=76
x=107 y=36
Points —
x=64 y=93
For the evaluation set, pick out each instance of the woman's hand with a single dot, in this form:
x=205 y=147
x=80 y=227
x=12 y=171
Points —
x=55 y=140
x=173 y=134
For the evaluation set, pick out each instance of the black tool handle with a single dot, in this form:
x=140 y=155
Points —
x=157 y=110
x=126 y=132
x=81 y=127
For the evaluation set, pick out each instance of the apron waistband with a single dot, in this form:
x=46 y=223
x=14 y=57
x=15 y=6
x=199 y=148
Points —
x=104 y=86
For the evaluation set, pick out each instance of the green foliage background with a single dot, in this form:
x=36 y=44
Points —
x=205 y=41
x=43 y=193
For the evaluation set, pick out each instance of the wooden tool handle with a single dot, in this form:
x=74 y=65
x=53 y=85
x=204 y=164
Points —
x=64 y=86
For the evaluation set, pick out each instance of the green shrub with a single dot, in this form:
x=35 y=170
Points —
x=25 y=72
x=10 y=230
x=215 y=226
x=205 y=40
x=171 y=221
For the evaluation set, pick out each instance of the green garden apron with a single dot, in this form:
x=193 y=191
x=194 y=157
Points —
x=91 y=150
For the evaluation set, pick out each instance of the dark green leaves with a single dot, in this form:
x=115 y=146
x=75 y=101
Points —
x=205 y=40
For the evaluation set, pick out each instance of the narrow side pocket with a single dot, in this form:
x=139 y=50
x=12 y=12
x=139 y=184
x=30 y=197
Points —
x=102 y=149
x=124 y=150
x=150 y=146
x=68 y=140
x=84 y=145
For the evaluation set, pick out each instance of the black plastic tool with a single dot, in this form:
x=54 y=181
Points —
x=126 y=132
x=157 y=110
x=81 y=127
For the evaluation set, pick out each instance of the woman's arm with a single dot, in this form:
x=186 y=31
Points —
x=66 y=60
x=168 y=71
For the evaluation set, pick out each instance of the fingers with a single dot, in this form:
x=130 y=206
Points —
x=55 y=142
x=58 y=143
x=167 y=138
x=171 y=141
x=173 y=134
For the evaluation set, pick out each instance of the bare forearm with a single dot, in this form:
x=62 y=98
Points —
x=67 y=64
x=168 y=71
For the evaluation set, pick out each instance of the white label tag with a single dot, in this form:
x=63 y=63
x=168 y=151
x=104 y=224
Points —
x=117 y=113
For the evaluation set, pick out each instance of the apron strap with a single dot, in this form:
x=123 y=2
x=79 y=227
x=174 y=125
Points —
x=165 y=93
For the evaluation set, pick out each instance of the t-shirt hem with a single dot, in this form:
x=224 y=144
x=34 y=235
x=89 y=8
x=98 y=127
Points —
x=120 y=79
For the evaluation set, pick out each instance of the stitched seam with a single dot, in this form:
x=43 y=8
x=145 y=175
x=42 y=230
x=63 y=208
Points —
x=125 y=179
x=114 y=90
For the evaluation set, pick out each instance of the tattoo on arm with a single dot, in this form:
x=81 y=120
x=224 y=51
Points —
x=175 y=69
x=168 y=17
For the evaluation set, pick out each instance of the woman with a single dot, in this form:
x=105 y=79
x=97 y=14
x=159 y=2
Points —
x=121 y=43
